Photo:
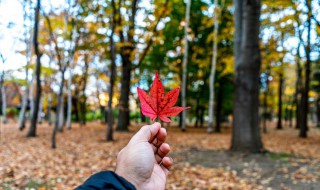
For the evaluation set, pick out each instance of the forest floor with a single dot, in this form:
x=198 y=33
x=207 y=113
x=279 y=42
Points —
x=201 y=161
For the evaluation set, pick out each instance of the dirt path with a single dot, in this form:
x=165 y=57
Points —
x=272 y=170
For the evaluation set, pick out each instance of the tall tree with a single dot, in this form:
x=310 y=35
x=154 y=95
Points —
x=28 y=52
x=109 y=136
x=306 y=88
x=128 y=47
x=184 y=66
x=213 y=67
x=246 y=133
x=33 y=124
x=3 y=93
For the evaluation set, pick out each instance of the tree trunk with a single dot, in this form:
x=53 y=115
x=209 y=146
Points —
x=246 y=133
x=213 y=69
x=61 y=113
x=109 y=135
x=49 y=108
x=40 y=110
x=22 y=115
x=69 y=112
x=58 y=110
x=124 y=118
x=201 y=116
x=32 y=129
x=318 y=112
x=279 y=125
x=305 y=92
x=83 y=98
x=184 y=66
x=297 y=95
x=28 y=43
x=197 y=112
x=31 y=96
x=265 y=108
x=4 y=104
x=219 y=109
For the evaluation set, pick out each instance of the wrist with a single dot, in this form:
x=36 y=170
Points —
x=126 y=175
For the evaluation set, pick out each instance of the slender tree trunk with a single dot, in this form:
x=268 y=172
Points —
x=213 y=68
x=185 y=65
x=4 y=104
x=201 y=116
x=61 y=114
x=27 y=40
x=49 y=108
x=219 y=109
x=297 y=95
x=318 y=111
x=197 y=112
x=59 y=105
x=33 y=126
x=305 y=92
x=246 y=133
x=31 y=96
x=69 y=112
x=22 y=115
x=265 y=108
x=109 y=135
x=83 y=93
x=40 y=110
x=75 y=102
x=279 y=125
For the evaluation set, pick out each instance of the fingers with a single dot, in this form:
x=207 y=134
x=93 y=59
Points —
x=159 y=139
x=166 y=164
x=162 y=151
x=147 y=132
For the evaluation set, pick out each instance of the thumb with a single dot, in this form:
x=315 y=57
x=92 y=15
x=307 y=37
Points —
x=147 y=132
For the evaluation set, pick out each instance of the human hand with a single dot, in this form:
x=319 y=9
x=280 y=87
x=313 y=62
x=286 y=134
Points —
x=143 y=162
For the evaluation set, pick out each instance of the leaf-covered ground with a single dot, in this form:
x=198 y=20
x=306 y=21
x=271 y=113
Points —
x=201 y=161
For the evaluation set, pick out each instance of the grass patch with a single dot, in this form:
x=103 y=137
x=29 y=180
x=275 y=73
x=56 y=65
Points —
x=280 y=156
x=34 y=184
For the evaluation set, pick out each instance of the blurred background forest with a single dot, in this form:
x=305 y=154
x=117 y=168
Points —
x=249 y=70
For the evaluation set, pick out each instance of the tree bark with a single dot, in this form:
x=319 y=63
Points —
x=83 y=98
x=124 y=95
x=184 y=66
x=318 y=111
x=219 y=109
x=305 y=92
x=246 y=133
x=33 y=126
x=61 y=112
x=4 y=103
x=27 y=40
x=213 y=69
x=279 y=124
x=109 y=135
x=265 y=104
x=40 y=111
x=69 y=111
x=297 y=95
x=22 y=114
x=49 y=108
x=58 y=110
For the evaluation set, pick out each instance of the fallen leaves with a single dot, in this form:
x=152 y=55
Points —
x=82 y=151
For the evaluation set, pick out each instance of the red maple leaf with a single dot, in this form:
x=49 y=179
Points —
x=157 y=104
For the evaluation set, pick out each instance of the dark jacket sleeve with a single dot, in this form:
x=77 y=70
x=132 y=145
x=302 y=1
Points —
x=106 y=180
